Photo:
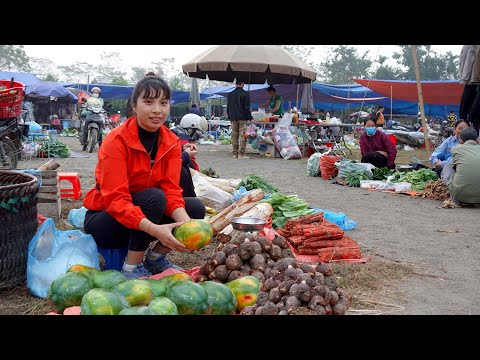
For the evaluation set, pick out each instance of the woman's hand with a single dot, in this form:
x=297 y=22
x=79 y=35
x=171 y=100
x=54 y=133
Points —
x=191 y=149
x=383 y=153
x=164 y=234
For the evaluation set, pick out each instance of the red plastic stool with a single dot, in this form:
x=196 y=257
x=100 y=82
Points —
x=76 y=190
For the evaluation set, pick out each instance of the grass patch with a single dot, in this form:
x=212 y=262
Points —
x=18 y=301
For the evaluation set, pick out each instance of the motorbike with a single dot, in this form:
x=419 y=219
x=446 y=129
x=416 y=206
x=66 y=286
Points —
x=92 y=123
x=9 y=152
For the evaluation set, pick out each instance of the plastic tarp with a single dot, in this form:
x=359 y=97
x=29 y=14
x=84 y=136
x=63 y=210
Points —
x=49 y=89
x=24 y=78
x=447 y=92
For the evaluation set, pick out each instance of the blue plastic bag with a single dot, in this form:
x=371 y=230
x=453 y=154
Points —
x=52 y=252
x=339 y=219
x=76 y=217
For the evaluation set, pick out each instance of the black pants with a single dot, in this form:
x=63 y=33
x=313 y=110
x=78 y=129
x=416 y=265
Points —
x=110 y=234
x=375 y=158
x=186 y=183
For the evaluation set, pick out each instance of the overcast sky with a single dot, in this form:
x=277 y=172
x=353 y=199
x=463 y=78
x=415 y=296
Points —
x=142 y=55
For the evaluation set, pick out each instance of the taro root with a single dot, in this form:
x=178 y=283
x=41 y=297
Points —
x=246 y=250
x=275 y=252
x=305 y=277
x=233 y=262
x=234 y=275
x=302 y=291
x=267 y=271
x=245 y=269
x=280 y=276
x=284 y=286
x=307 y=269
x=280 y=241
x=282 y=264
x=259 y=275
x=334 y=298
x=323 y=292
x=325 y=269
x=273 y=273
x=341 y=292
x=270 y=309
x=249 y=310
x=265 y=256
x=201 y=278
x=259 y=310
x=293 y=273
x=249 y=236
x=275 y=295
x=318 y=309
x=287 y=254
x=283 y=312
x=220 y=247
x=280 y=305
x=291 y=303
x=229 y=248
x=206 y=268
x=218 y=258
x=331 y=282
x=285 y=297
x=220 y=273
x=264 y=243
x=319 y=278
x=257 y=248
x=258 y=262
x=270 y=284
x=270 y=262
x=340 y=308
x=328 y=310
x=262 y=298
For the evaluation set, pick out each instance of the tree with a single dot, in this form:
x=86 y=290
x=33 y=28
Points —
x=343 y=63
x=432 y=66
x=138 y=73
x=119 y=80
x=110 y=68
x=44 y=68
x=80 y=72
x=384 y=72
x=302 y=52
x=13 y=57
x=177 y=83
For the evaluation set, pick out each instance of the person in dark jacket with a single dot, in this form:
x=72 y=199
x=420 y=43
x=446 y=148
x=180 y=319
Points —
x=238 y=111
x=375 y=147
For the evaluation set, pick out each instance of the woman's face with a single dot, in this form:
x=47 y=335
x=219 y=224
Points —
x=459 y=128
x=369 y=124
x=270 y=93
x=152 y=112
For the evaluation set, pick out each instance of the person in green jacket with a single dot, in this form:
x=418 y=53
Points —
x=462 y=175
x=275 y=103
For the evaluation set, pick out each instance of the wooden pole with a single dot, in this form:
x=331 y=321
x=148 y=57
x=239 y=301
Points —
x=420 y=99
x=296 y=103
x=391 y=102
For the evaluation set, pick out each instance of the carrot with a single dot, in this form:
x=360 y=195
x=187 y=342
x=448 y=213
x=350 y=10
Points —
x=336 y=253
x=344 y=242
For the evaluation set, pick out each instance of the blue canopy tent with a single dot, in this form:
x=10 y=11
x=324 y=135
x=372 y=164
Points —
x=48 y=89
x=24 y=78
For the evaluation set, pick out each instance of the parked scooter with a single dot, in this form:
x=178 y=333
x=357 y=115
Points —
x=93 y=121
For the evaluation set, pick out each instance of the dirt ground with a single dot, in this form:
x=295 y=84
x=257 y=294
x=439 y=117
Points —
x=424 y=259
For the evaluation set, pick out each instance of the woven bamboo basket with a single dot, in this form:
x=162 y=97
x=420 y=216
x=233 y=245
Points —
x=18 y=224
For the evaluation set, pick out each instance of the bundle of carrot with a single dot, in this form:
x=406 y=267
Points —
x=312 y=235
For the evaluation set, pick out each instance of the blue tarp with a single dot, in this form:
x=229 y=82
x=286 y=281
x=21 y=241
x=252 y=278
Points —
x=324 y=98
x=24 y=78
x=47 y=89
x=124 y=92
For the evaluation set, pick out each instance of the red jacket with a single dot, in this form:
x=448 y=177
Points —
x=123 y=169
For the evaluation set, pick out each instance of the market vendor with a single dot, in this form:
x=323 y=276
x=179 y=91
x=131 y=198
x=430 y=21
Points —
x=275 y=103
x=442 y=153
x=375 y=146
x=462 y=174
x=136 y=198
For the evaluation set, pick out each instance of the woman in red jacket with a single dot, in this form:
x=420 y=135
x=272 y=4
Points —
x=137 y=198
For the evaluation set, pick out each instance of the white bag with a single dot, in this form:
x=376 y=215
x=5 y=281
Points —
x=209 y=194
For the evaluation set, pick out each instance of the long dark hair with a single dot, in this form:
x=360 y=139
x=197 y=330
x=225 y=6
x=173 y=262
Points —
x=152 y=86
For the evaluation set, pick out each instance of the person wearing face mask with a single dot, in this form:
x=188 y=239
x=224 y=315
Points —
x=375 y=147
x=442 y=154
x=95 y=100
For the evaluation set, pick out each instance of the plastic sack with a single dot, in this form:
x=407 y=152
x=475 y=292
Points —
x=76 y=217
x=209 y=194
x=285 y=120
x=52 y=252
x=33 y=126
x=285 y=143
x=345 y=167
x=240 y=192
x=251 y=131
x=339 y=219
x=313 y=164
x=403 y=187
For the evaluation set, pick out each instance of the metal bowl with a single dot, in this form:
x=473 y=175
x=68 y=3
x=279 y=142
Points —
x=248 y=224
x=404 y=168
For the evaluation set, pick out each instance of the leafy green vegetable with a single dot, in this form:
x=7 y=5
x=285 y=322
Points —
x=251 y=182
x=418 y=178
x=353 y=179
x=381 y=173
x=287 y=207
